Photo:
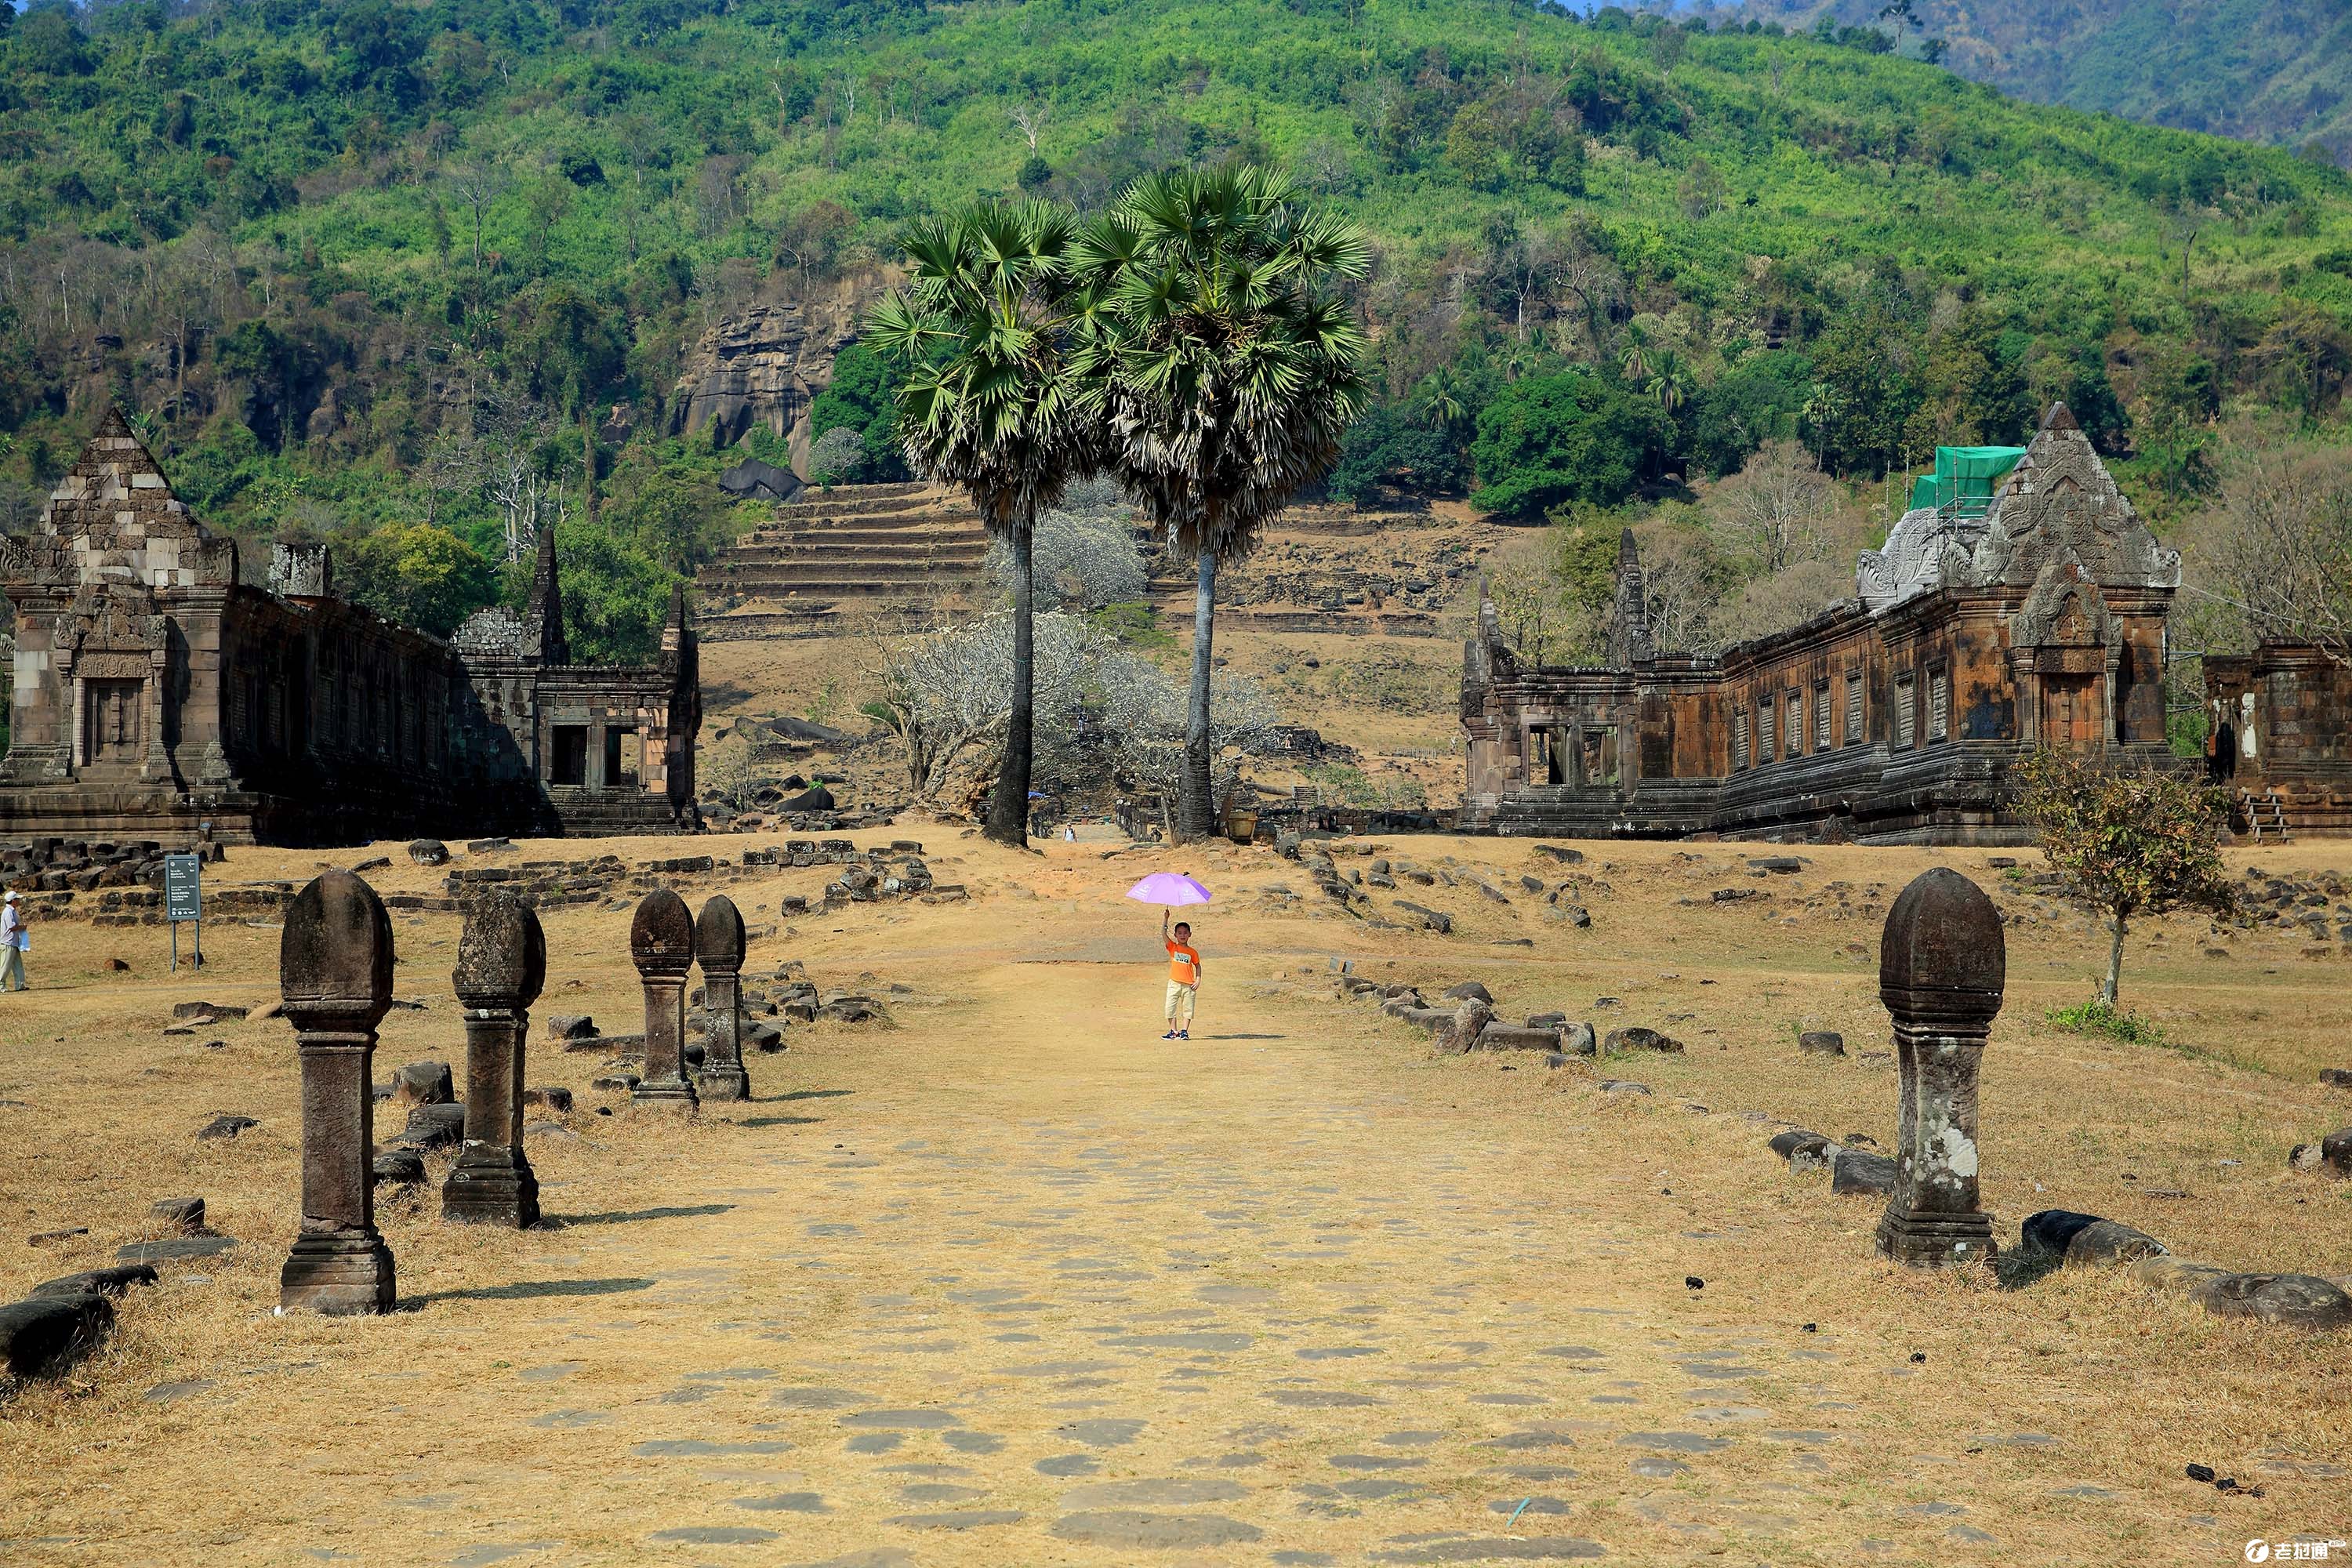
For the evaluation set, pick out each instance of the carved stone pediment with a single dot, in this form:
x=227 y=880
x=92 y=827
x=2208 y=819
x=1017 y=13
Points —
x=113 y=621
x=2060 y=501
x=2065 y=609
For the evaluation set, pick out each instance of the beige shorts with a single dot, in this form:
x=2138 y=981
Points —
x=1180 y=1002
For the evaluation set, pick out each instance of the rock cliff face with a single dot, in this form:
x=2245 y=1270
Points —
x=764 y=365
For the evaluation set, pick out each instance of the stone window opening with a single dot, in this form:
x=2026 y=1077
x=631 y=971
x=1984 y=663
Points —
x=1907 y=712
x=1794 y=731
x=1854 y=726
x=1939 y=705
x=1820 y=716
x=568 y=759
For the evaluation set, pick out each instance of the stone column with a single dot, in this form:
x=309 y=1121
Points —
x=501 y=965
x=719 y=949
x=1941 y=965
x=661 y=941
x=334 y=970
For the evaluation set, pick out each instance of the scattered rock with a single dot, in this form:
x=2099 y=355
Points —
x=56 y=1237
x=1461 y=1029
x=2303 y=1300
x=2336 y=1078
x=381 y=863
x=183 y=1214
x=1623 y=1086
x=399 y=1168
x=46 y=1334
x=1576 y=1040
x=1822 y=1043
x=111 y=1281
x=1470 y=988
x=1498 y=1036
x=226 y=1126
x=428 y=852
x=2336 y=1152
x=206 y=1012
x=548 y=1098
x=1800 y=1148
x=1852 y=1172
x=1577 y=915
x=1779 y=865
x=619 y=1081
x=2303 y=1157
x=434 y=1126
x=567 y=1027
x=2086 y=1239
x=1565 y=856
x=423 y=1083
x=1634 y=1038
x=1431 y=920
x=117 y=966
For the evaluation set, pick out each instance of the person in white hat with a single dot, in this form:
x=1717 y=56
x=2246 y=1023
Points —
x=14 y=940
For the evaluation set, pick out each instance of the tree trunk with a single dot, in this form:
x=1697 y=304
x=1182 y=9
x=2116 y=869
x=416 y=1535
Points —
x=588 y=463
x=1196 y=807
x=2113 y=981
x=1008 y=803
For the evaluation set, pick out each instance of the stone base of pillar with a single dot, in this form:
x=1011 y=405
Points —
x=666 y=1093
x=338 y=1273
x=723 y=1083
x=491 y=1185
x=1933 y=1240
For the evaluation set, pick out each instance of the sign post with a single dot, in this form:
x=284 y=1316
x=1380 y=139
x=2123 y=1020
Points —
x=183 y=899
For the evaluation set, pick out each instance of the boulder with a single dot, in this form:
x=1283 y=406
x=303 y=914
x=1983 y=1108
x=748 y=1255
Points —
x=1822 y=1043
x=1577 y=1040
x=1634 y=1038
x=548 y=1098
x=2303 y=1157
x=1460 y=1031
x=2303 y=1300
x=2336 y=1078
x=428 y=852
x=2336 y=1152
x=2087 y=1240
x=111 y=1281
x=423 y=1083
x=765 y=1037
x=1470 y=988
x=1852 y=1172
x=226 y=1126
x=46 y=1334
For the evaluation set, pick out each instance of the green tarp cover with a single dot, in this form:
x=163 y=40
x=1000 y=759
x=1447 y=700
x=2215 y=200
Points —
x=1964 y=473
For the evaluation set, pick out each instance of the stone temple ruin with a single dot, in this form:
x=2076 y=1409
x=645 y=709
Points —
x=2030 y=613
x=160 y=691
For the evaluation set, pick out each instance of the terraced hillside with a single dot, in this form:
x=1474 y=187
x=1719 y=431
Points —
x=847 y=549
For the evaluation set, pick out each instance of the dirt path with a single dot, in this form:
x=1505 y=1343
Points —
x=1017 y=1283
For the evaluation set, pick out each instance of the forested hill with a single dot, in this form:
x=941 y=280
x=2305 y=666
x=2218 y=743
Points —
x=2266 y=70
x=370 y=269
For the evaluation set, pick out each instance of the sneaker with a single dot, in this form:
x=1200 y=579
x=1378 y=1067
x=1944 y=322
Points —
x=1184 y=1034
x=1169 y=1036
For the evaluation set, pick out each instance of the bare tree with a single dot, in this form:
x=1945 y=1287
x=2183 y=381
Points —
x=1085 y=556
x=948 y=697
x=1032 y=118
x=478 y=184
x=2279 y=541
x=1779 y=510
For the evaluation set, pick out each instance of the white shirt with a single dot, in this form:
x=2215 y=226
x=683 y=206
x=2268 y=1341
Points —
x=12 y=927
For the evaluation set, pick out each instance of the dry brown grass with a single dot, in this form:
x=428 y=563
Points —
x=1022 y=1130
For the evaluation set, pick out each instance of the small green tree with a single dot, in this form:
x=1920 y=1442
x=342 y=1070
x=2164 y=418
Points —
x=2128 y=841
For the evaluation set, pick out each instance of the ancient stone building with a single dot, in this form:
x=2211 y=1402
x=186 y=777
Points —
x=160 y=691
x=2031 y=614
x=2280 y=719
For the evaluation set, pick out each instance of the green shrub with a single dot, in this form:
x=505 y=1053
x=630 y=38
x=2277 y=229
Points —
x=2097 y=1017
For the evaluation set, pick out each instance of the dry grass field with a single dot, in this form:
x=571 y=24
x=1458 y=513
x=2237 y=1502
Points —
x=1011 y=1280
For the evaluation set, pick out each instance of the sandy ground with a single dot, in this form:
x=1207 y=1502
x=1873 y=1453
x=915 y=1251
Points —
x=1014 y=1281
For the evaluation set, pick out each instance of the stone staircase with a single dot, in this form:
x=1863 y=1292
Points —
x=839 y=551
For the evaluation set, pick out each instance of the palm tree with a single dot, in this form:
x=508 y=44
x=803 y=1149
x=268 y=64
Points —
x=985 y=329
x=1670 y=380
x=1440 y=397
x=1634 y=358
x=1225 y=373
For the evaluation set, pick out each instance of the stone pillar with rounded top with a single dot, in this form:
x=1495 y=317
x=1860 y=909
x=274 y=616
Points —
x=1941 y=967
x=719 y=949
x=334 y=973
x=501 y=965
x=661 y=941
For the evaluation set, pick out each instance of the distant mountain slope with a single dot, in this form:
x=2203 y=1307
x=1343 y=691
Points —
x=2262 y=70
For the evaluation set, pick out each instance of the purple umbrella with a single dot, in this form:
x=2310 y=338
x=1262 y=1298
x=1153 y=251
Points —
x=1168 y=887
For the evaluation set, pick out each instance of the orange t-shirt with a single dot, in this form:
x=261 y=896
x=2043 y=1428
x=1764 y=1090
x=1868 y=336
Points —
x=1183 y=963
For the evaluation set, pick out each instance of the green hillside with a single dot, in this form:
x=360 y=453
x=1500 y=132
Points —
x=2266 y=70
x=366 y=263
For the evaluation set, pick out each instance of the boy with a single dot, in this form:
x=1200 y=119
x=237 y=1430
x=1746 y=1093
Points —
x=1183 y=978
